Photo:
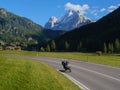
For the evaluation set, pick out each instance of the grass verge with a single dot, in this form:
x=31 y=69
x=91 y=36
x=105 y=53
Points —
x=23 y=74
x=109 y=59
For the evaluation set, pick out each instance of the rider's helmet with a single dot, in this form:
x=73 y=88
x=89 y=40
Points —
x=64 y=62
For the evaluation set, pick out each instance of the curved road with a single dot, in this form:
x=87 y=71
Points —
x=87 y=75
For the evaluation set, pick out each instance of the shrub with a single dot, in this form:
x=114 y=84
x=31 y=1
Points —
x=99 y=53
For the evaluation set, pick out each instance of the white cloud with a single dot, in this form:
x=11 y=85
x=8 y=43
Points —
x=112 y=8
x=82 y=9
x=102 y=10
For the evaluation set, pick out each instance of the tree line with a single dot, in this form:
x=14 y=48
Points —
x=66 y=46
x=112 y=47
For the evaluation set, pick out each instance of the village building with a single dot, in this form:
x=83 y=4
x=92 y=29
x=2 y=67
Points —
x=13 y=48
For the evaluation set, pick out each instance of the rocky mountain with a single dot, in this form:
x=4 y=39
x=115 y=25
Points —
x=17 y=30
x=71 y=20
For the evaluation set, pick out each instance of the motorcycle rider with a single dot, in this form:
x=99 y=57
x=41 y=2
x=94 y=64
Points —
x=65 y=65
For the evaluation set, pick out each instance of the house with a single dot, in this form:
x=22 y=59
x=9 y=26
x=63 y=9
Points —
x=13 y=48
x=9 y=48
x=17 y=48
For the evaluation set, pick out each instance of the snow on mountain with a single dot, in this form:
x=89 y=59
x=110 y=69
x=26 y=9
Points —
x=50 y=24
x=71 y=20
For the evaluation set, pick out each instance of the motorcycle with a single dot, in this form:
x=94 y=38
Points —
x=65 y=66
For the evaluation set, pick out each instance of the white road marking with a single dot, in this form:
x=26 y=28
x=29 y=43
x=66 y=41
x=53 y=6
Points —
x=97 y=73
x=83 y=87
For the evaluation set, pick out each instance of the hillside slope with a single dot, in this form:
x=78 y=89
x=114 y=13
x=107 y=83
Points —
x=16 y=30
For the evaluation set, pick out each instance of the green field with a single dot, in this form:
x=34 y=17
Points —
x=108 y=59
x=24 y=74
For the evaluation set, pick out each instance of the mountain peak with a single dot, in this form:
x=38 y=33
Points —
x=71 y=20
x=3 y=11
x=52 y=20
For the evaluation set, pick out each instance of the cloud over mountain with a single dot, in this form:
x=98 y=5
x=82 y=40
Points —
x=76 y=7
x=113 y=7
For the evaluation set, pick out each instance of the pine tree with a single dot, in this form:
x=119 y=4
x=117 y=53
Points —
x=109 y=48
x=79 y=46
x=112 y=48
x=53 y=45
x=67 y=46
x=42 y=49
x=48 y=48
x=117 y=45
x=105 y=48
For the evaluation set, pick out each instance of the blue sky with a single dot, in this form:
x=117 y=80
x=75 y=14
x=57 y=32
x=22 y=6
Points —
x=41 y=10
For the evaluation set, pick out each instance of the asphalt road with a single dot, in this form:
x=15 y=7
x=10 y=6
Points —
x=87 y=75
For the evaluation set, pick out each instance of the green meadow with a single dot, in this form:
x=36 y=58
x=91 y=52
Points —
x=107 y=59
x=24 y=74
